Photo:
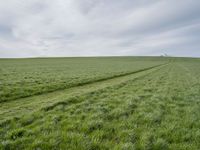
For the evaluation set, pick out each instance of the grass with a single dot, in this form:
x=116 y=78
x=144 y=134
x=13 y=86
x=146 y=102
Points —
x=26 y=77
x=154 y=109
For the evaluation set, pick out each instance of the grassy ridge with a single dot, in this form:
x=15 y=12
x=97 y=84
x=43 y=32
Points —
x=26 y=77
x=158 y=111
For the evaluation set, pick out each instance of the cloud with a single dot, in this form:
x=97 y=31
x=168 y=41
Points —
x=35 y=28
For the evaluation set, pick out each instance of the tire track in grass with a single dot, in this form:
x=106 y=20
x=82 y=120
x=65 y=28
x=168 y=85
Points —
x=94 y=102
x=87 y=82
x=22 y=106
x=142 y=82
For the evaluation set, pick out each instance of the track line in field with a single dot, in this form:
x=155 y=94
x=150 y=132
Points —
x=116 y=87
x=22 y=106
x=89 y=82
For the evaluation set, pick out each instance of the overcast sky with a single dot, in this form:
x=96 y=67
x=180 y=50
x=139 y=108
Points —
x=38 y=28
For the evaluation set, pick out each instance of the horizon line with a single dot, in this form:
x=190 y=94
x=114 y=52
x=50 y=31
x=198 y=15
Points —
x=99 y=56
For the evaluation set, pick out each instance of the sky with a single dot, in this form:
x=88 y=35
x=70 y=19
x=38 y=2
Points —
x=54 y=28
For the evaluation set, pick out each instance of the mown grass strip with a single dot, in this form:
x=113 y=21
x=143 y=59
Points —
x=74 y=99
x=87 y=82
x=27 y=105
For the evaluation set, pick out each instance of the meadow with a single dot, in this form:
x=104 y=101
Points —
x=26 y=77
x=120 y=103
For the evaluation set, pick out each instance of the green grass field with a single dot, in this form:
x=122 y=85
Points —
x=120 y=103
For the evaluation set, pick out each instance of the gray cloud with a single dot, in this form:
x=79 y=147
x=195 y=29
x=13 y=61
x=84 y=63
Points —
x=35 y=28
